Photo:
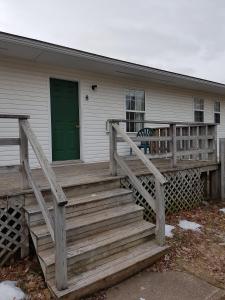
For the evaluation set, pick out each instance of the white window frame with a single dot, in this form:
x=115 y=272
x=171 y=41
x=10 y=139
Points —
x=217 y=112
x=134 y=111
x=199 y=109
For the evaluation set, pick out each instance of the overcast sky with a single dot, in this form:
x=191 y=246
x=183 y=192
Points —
x=185 y=36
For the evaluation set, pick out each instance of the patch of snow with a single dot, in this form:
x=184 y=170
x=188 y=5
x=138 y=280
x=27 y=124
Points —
x=168 y=230
x=187 y=225
x=9 y=291
x=142 y=298
x=223 y=210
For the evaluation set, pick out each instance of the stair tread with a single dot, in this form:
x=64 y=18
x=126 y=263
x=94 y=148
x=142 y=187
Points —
x=99 y=240
x=88 y=198
x=125 y=260
x=90 y=218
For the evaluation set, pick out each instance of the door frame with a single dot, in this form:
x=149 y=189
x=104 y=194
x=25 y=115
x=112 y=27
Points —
x=50 y=121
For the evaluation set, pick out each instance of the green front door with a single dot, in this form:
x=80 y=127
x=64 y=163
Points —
x=65 y=120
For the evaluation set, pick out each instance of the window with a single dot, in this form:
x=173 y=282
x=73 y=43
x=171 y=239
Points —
x=217 y=112
x=198 y=110
x=135 y=109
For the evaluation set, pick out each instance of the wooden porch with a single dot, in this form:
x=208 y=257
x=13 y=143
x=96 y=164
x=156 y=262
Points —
x=86 y=219
x=11 y=181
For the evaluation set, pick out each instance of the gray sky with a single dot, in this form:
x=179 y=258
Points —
x=185 y=36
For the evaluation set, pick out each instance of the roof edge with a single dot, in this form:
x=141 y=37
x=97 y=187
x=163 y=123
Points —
x=101 y=58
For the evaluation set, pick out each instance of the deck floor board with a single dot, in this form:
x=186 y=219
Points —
x=81 y=173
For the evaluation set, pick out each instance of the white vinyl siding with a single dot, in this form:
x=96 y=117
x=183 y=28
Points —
x=24 y=89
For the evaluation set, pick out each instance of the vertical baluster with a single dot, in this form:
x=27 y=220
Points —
x=173 y=144
x=189 y=141
x=160 y=213
x=197 y=156
x=206 y=143
x=214 y=128
x=112 y=149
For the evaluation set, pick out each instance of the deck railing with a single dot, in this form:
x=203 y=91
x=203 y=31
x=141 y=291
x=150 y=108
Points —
x=158 y=206
x=169 y=140
x=56 y=227
x=177 y=140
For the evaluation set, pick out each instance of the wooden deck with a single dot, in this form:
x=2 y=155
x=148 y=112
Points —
x=82 y=173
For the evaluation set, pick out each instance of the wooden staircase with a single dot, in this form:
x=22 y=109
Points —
x=91 y=235
x=107 y=238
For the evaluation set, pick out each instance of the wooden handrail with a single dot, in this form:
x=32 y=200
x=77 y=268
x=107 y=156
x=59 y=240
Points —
x=43 y=161
x=41 y=201
x=159 y=122
x=19 y=117
x=140 y=154
x=157 y=205
x=136 y=182
x=178 y=140
x=57 y=228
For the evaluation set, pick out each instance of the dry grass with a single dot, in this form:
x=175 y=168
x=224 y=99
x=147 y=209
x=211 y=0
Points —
x=199 y=253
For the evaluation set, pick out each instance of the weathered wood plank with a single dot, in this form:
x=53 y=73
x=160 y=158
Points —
x=160 y=213
x=173 y=134
x=24 y=154
x=139 y=153
x=145 y=139
x=43 y=161
x=60 y=248
x=194 y=152
x=41 y=201
x=9 y=141
x=112 y=149
x=166 y=122
x=137 y=184
x=59 y=206
x=8 y=116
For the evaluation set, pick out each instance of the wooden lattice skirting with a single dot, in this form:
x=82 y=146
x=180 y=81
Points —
x=13 y=229
x=185 y=190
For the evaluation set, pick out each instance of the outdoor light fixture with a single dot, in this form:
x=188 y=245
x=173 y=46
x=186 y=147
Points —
x=94 y=87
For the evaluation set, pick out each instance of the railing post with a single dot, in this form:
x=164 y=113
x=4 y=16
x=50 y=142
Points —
x=173 y=135
x=160 y=213
x=222 y=167
x=215 y=143
x=60 y=247
x=24 y=158
x=112 y=149
x=24 y=155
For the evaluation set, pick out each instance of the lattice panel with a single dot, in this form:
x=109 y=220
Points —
x=185 y=190
x=12 y=227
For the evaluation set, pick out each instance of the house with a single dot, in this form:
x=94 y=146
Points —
x=36 y=75
x=68 y=123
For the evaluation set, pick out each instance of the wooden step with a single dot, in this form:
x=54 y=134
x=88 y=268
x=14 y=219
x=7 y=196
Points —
x=117 y=268
x=88 y=186
x=90 y=250
x=83 y=204
x=89 y=224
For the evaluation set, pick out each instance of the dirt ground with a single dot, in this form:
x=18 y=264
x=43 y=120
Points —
x=199 y=253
